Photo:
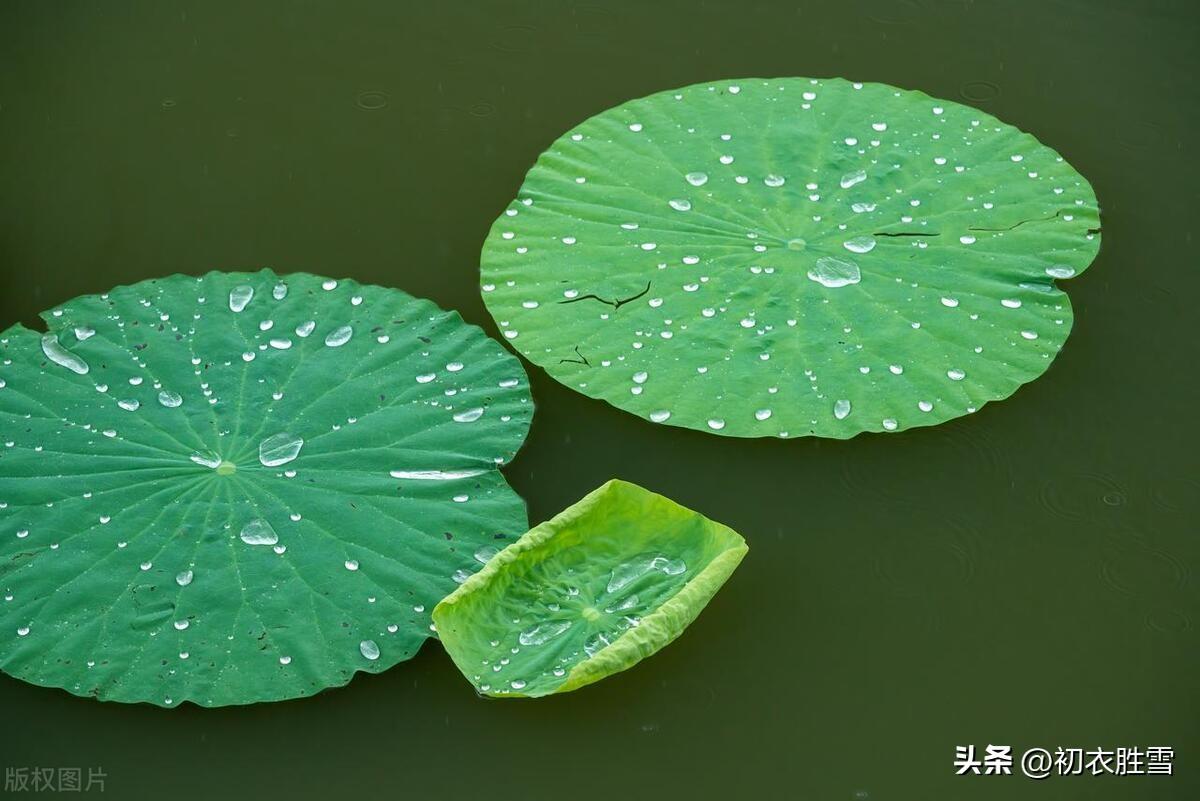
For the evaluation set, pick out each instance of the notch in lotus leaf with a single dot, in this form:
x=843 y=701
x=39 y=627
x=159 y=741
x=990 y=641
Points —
x=792 y=257
x=601 y=586
x=245 y=486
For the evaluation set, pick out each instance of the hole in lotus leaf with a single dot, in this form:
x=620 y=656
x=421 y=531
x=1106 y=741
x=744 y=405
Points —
x=765 y=250
x=593 y=591
x=186 y=475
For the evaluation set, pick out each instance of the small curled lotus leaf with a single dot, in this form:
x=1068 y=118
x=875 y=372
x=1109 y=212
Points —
x=593 y=591
x=243 y=486
x=792 y=257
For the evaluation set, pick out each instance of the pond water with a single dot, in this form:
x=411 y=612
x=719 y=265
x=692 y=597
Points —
x=1023 y=576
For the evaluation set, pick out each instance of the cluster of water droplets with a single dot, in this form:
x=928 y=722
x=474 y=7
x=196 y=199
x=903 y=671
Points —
x=859 y=238
x=576 y=618
x=235 y=449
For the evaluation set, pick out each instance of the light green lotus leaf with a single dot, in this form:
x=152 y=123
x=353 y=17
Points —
x=243 y=487
x=600 y=587
x=792 y=257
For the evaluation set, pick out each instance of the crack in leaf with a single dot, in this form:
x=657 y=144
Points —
x=616 y=304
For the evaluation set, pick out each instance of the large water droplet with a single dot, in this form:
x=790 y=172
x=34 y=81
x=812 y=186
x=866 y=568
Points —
x=279 y=449
x=485 y=553
x=697 y=178
x=626 y=573
x=852 y=178
x=469 y=416
x=208 y=460
x=259 y=532
x=841 y=409
x=56 y=353
x=860 y=244
x=435 y=475
x=239 y=297
x=542 y=633
x=833 y=273
x=170 y=399
x=369 y=649
x=339 y=336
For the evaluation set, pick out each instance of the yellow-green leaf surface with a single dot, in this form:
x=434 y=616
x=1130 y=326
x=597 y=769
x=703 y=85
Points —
x=244 y=487
x=601 y=586
x=792 y=257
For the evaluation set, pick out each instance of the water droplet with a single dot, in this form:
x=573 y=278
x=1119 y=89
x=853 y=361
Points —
x=129 y=404
x=285 y=660
x=305 y=328
x=352 y=564
x=626 y=573
x=83 y=332
x=852 y=178
x=22 y=631
x=762 y=414
x=967 y=239
x=485 y=554
x=774 y=180
x=435 y=475
x=56 y=353
x=280 y=291
x=680 y=204
x=184 y=578
x=239 y=297
x=279 y=449
x=833 y=273
x=517 y=684
x=339 y=336
x=259 y=532
x=170 y=399
x=716 y=424
x=469 y=416
x=1060 y=271
x=841 y=409
x=208 y=460
x=860 y=244
x=660 y=416
x=542 y=633
x=369 y=649
x=956 y=375
x=696 y=178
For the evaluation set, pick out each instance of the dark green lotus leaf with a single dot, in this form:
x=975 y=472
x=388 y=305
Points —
x=792 y=257
x=243 y=487
x=597 y=589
